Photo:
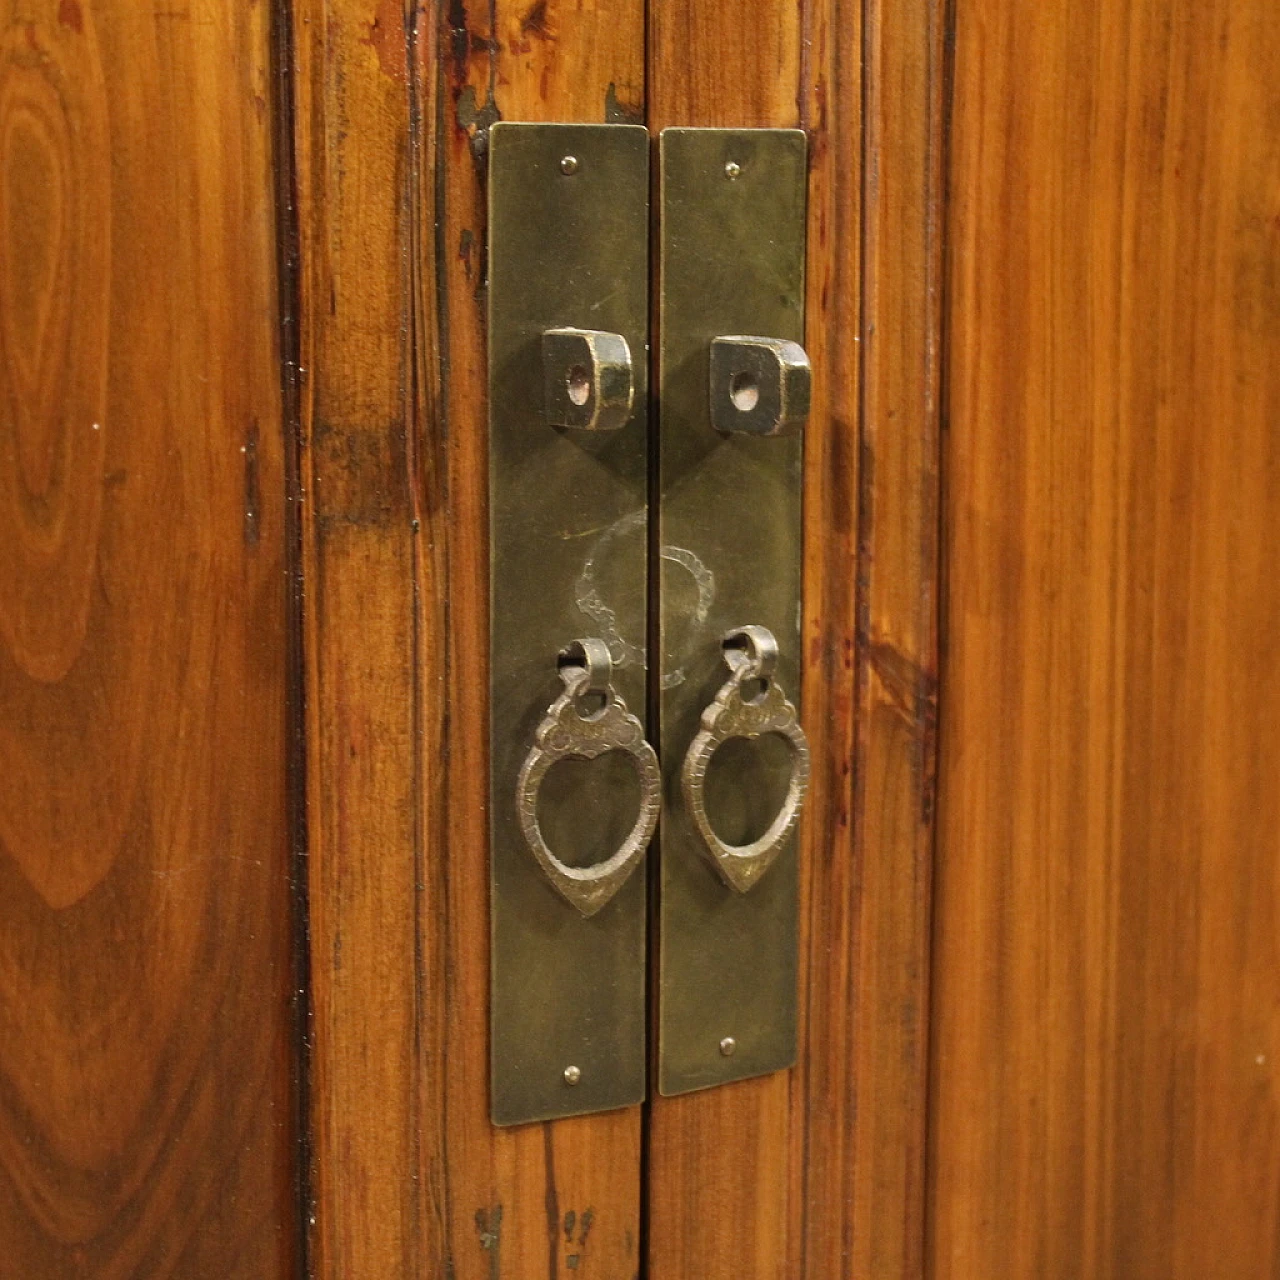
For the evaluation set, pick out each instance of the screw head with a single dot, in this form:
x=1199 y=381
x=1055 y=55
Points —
x=569 y=165
x=727 y=1046
x=572 y=1075
x=732 y=170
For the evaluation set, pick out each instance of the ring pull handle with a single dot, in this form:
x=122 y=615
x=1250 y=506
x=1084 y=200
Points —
x=749 y=704
x=585 y=721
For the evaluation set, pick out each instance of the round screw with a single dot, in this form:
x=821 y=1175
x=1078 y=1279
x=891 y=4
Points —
x=569 y=165
x=732 y=170
x=572 y=1075
x=727 y=1046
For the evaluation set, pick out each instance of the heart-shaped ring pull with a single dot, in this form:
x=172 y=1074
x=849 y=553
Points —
x=751 y=654
x=573 y=728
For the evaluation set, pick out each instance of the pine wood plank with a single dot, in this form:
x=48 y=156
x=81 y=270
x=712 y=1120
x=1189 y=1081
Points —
x=819 y=1172
x=1106 y=1068
x=351 y=148
x=410 y=1176
x=146 y=1033
x=895 y=765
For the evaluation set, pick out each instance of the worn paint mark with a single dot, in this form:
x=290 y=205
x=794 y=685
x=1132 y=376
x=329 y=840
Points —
x=570 y=1221
x=705 y=582
x=466 y=245
x=388 y=39
x=588 y=1217
x=71 y=15
x=617 y=112
x=624 y=651
x=572 y=1261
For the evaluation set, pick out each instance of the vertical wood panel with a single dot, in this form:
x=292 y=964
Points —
x=145 y=1025
x=895 y=765
x=819 y=1172
x=411 y=1178
x=1107 y=1036
x=352 y=145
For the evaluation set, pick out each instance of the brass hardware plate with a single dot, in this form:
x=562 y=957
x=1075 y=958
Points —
x=568 y=320
x=732 y=246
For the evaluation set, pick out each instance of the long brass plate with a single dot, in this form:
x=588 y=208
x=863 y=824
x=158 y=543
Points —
x=568 y=247
x=732 y=245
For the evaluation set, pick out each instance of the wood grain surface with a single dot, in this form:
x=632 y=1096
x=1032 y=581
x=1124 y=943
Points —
x=895 y=759
x=410 y=1178
x=351 y=152
x=146 y=1122
x=819 y=1172
x=1107 y=1068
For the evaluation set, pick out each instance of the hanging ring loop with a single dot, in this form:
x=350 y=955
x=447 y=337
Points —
x=751 y=654
x=573 y=728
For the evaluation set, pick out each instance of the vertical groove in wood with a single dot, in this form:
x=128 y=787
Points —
x=824 y=1098
x=1107 y=1099
x=820 y=1172
x=410 y=1177
x=288 y=307
x=146 y=1125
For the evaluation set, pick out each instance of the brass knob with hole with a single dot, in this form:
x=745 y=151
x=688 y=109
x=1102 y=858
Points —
x=759 y=386
x=588 y=379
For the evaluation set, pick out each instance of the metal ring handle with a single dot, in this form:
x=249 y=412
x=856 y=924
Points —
x=751 y=653
x=565 y=732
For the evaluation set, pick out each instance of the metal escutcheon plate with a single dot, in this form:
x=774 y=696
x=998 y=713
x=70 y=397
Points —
x=568 y=286
x=732 y=242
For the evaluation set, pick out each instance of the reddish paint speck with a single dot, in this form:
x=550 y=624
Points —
x=70 y=15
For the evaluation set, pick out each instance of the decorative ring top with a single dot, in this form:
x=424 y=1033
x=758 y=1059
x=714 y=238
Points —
x=571 y=730
x=751 y=654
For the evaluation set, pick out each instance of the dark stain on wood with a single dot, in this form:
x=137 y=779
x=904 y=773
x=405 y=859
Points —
x=619 y=112
x=476 y=121
x=459 y=41
x=252 y=487
x=534 y=22
x=552 y=1200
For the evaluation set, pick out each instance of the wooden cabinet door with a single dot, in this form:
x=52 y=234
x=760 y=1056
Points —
x=1039 y=616
x=244 y=897
x=816 y=1171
